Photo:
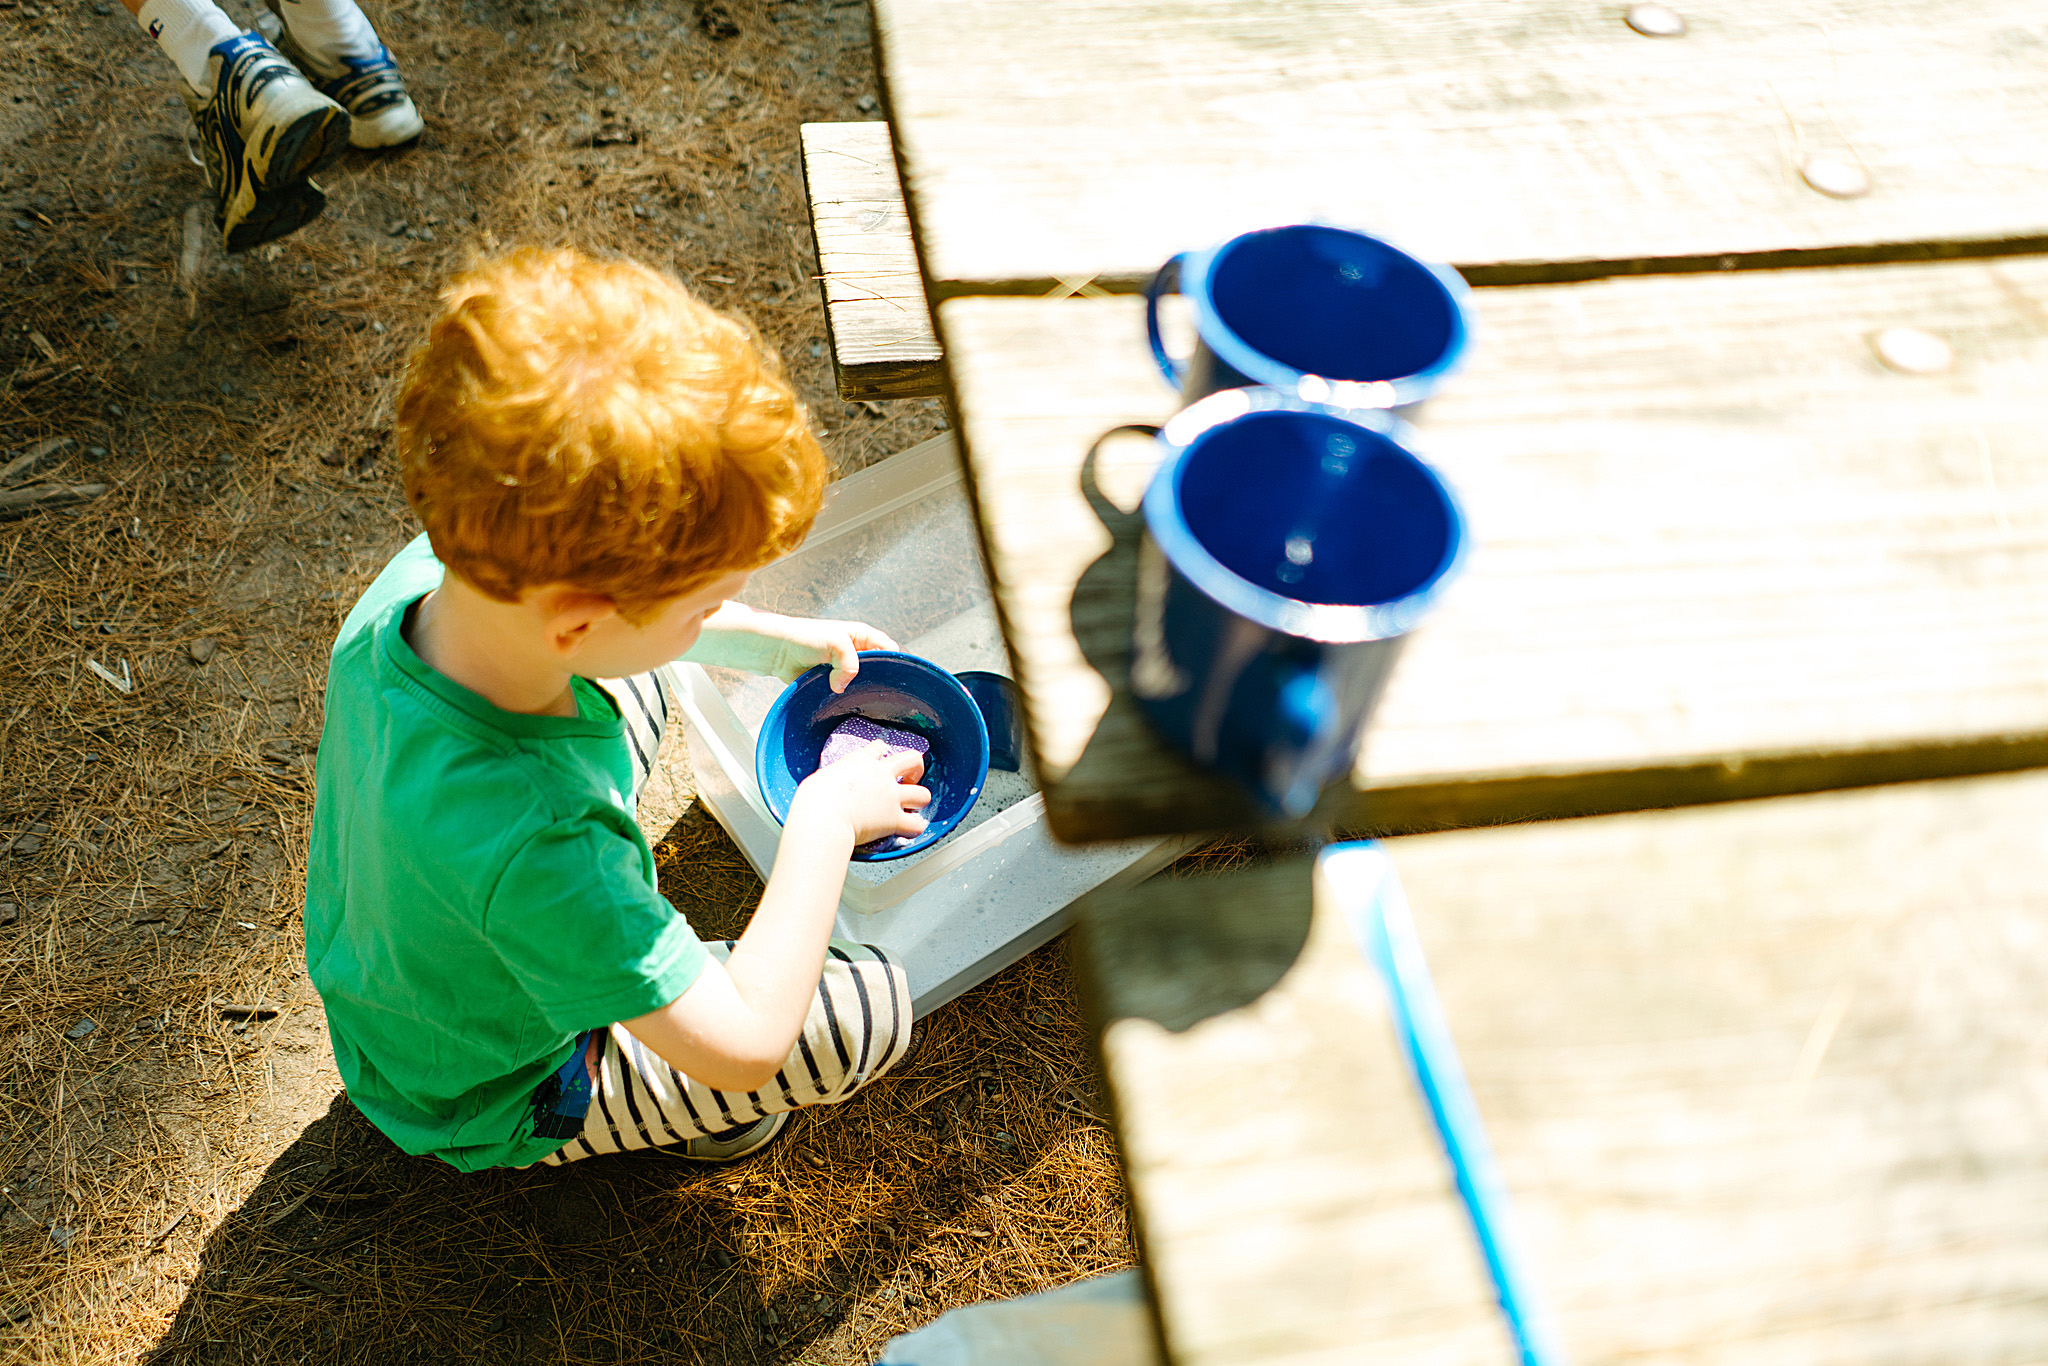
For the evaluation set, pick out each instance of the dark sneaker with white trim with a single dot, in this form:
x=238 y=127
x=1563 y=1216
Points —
x=264 y=131
x=381 y=113
x=733 y=1144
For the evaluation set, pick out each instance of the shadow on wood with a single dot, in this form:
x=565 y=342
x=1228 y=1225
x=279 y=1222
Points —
x=1181 y=950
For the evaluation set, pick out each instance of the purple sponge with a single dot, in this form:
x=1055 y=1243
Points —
x=855 y=734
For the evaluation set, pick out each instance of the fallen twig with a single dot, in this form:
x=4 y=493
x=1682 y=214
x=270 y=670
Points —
x=37 y=497
x=19 y=468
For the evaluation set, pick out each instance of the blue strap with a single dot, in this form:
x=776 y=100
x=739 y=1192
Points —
x=1380 y=920
x=561 y=1102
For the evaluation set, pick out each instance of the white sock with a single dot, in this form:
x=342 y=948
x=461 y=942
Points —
x=187 y=30
x=330 y=28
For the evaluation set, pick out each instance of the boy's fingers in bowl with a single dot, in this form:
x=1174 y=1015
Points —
x=906 y=764
x=914 y=797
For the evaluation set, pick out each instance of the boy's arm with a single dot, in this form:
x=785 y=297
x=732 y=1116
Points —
x=740 y=637
x=733 y=1028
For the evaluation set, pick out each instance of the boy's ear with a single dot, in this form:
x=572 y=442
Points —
x=571 y=614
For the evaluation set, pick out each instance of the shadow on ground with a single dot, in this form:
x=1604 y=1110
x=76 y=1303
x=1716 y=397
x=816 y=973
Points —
x=349 y=1250
x=935 y=1186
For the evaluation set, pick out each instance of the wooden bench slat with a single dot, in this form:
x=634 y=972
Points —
x=1523 y=141
x=875 y=312
x=1720 y=550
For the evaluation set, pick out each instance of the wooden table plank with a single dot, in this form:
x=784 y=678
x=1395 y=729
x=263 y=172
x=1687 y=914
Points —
x=1721 y=550
x=875 y=310
x=1095 y=138
x=1766 y=1079
x=1765 y=1082
x=1290 y=1199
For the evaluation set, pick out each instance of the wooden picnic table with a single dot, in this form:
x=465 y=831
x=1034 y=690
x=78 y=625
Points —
x=1708 y=518
x=1738 y=536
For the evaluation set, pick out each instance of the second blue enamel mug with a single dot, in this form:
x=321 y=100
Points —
x=1288 y=549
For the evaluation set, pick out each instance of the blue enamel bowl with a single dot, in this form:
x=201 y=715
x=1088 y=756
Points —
x=891 y=689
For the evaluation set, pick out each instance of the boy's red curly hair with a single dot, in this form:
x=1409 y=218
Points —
x=589 y=422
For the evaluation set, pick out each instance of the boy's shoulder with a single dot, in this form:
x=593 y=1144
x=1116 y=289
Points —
x=412 y=573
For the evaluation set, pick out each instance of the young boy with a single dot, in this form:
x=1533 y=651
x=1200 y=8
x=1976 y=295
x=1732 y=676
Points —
x=276 y=106
x=599 y=460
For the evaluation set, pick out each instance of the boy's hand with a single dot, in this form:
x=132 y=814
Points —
x=874 y=792
x=740 y=637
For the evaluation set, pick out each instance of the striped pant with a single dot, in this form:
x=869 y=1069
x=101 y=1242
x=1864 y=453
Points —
x=858 y=1026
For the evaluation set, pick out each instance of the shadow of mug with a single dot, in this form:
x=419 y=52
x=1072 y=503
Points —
x=1285 y=550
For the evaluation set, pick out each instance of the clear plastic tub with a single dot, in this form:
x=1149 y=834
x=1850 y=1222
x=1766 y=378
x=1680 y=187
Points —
x=895 y=547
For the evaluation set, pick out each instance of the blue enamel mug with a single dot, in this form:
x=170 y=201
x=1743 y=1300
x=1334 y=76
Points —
x=1325 y=313
x=1288 y=549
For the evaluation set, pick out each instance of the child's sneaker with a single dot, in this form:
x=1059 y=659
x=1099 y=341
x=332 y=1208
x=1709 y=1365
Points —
x=263 y=131
x=370 y=88
x=733 y=1144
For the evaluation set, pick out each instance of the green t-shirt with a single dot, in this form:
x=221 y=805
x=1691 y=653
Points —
x=478 y=891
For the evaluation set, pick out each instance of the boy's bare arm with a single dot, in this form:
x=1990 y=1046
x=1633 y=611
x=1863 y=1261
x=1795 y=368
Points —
x=735 y=1026
x=740 y=637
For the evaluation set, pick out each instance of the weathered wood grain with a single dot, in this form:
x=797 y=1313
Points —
x=1289 y=1197
x=1067 y=139
x=1721 y=551
x=1766 y=1079
x=875 y=310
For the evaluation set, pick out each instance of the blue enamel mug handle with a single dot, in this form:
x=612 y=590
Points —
x=1167 y=281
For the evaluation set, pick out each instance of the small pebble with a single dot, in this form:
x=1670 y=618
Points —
x=867 y=104
x=81 y=1029
x=114 y=410
x=202 y=649
x=60 y=1235
x=9 y=912
x=24 y=845
x=98 y=452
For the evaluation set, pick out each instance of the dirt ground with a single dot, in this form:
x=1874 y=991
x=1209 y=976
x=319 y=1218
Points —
x=181 y=1180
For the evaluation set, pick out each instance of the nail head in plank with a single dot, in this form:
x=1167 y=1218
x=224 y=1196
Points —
x=1056 y=139
x=878 y=323
x=1721 y=550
